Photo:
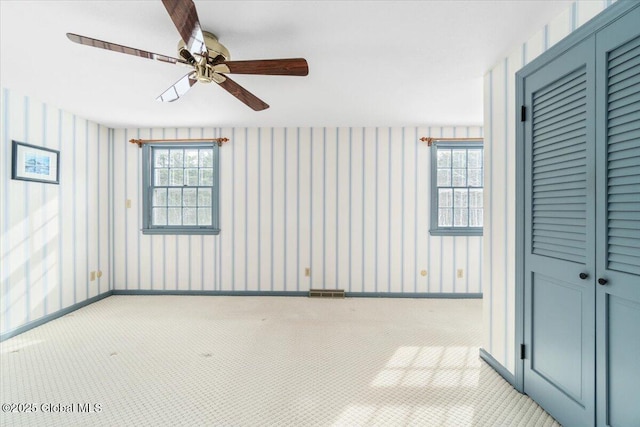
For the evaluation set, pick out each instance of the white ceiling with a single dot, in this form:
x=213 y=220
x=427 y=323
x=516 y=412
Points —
x=371 y=63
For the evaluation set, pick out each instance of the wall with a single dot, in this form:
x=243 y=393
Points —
x=52 y=235
x=352 y=204
x=499 y=230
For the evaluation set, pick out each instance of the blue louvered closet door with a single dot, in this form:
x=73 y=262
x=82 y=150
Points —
x=559 y=370
x=580 y=232
x=618 y=223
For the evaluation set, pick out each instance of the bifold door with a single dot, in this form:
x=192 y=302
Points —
x=618 y=222
x=559 y=285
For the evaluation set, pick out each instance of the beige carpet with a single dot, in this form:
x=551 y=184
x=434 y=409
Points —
x=260 y=361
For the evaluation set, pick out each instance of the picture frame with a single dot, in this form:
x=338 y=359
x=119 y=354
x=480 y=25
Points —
x=36 y=164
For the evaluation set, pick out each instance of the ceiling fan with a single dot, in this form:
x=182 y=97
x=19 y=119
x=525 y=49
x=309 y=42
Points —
x=209 y=59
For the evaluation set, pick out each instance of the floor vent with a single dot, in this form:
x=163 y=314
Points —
x=326 y=293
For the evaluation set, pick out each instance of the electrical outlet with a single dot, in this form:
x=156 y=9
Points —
x=99 y=274
x=460 y=273
x=128 y=203
x=307 y=272
x=92 y=276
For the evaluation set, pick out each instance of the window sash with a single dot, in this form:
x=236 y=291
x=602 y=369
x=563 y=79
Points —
x=457 y=175
x=184 y=200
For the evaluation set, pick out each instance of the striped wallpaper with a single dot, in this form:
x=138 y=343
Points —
x=351 y=204
x=499 y=215
x=53 y=236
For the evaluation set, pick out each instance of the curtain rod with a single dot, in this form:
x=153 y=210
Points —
x=140 y=142
x=430 y=140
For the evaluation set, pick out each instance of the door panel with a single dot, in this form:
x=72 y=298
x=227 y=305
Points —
x=621 y=387
x=618 y=227
x=559 y=229
x=551 y=345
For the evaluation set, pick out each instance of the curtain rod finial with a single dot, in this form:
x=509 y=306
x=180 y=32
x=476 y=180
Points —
x=136 y=141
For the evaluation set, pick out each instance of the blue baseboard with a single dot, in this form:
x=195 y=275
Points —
x=211 y=293
x=445 y=295
x=52 y=316
x=296 y=294
x=498 y=367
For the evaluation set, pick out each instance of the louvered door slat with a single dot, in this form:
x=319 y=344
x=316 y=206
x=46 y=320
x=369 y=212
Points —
x=628 y=136
x=576 y=134
x=572 y=101
x=626 y=63
x=559 y=168
x=616 y=100
x=565 y=85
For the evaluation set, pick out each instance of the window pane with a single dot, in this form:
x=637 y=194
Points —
x=460 y=217
x=475 y=197
x=459 y=177
x=190 y=158
x=459 y=159
x=475 y=158
x=204 y=216
x=175 y=159
x=162 y=158
x=444 y=177
x=162 y=177
x=189 y=216
x=159 y=197
x=461 y=198
x=444 y=158
x=189 y=197
x=206 y=157
x=206 y=177
x=177 y=176
x=204 y=197
x=475 y=177
x=475 y=217
x=445 y=217
x=175 y=197
x=159 y=216
x=191 y=177
x=445 y=198
x=175 y=216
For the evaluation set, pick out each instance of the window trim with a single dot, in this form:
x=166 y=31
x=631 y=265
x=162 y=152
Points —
x=434 y=228
x=147 y=193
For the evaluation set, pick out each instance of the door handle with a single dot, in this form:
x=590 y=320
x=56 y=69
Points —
x=583 y=275
x=602 y=281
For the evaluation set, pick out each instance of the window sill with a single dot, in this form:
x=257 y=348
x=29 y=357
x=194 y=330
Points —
x=455 y=232
x=182 y=231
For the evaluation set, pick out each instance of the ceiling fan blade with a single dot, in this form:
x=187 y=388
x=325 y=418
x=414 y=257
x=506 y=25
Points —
x=185 y=17
x=88 y=41
x=273 y=67
x=181 y=87
x=243 y=95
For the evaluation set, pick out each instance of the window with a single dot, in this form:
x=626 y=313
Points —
x=456 y=188
x=180 y=188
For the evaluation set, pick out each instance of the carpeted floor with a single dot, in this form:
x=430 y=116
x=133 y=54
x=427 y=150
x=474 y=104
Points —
x=259 y=361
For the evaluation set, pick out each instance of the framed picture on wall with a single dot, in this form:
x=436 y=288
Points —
x=33 y=163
